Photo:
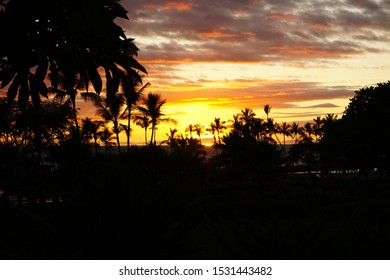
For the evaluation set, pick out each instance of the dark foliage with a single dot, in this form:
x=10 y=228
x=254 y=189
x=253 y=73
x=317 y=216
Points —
x=151 y=204
x=63 y=38
x=360 y=139
x=148 y=205
x=247 y=158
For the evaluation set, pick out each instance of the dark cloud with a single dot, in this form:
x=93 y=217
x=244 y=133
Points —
x=256 y=31
x=365 y=4
x=323 y=105
x=306 y=116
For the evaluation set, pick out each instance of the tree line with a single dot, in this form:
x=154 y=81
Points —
x=358 y=140
x=78 y=49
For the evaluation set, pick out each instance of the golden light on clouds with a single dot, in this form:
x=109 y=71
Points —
x=304 y=58
x=170 y=5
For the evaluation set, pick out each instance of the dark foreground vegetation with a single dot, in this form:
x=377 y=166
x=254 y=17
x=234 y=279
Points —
x=152 y=205
x=325 y=198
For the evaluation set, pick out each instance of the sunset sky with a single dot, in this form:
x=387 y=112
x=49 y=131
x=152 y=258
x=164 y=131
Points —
x=213 y=58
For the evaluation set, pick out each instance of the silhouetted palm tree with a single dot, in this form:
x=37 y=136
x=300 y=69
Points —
x=143 y=121
x=284 y=129
x=132 y=93
x=273 y=129
x=247 y=115
x=269 y=123
x=267 y=110
x=107 y=137
x=330 y=117
x=199 y=129
x=247 y=118
x=259 y=129
x=307 y=132
x=317 y=128
x=182 y=141
x=152 y=107
x=111 y=110
x=295 y=131
x=68 y=86
x=190 y=128
x=172 y=138
x=91 y=130
x=219 y=126
x=86 y=130
x=236 y=123
x=328 y=121
x=212 y=130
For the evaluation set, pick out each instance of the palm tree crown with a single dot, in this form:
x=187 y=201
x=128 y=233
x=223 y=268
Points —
x=143 y=121
x=133 y=93
x=111 y=110
x=152 y=107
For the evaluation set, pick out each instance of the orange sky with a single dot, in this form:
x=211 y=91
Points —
x=213 y=58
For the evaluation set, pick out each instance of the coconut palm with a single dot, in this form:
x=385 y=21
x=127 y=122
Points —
x=152 y=107
x=107 y=137
x=317 y=128
x=133 y=92
x=247 y=117
x=259 y=129
x=295 y=131
x=111 y=110
x=267 y=110
x=190 y=128
x=284 y=129
x=199 y=129
x=236 y=123
x=273 y=129
x=67 y=89
x=212 y=130
x=91 y=130
x=328 y=121
x=172 y=138
x=307 y=132
x=144 y=122
x=330 y=118
x=219 y=127
x=86 y=130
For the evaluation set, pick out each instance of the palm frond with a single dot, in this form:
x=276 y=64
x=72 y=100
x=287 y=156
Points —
x=90 y=96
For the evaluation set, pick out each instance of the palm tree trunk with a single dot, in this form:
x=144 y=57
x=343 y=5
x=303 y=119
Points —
x=116 y=128
x=277 y=138
x=128 y=130
x=152 y=136
x=75 y=115
x=146 y=136
x=117 y=142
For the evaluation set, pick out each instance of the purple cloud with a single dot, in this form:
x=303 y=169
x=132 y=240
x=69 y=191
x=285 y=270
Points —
x=256 y=31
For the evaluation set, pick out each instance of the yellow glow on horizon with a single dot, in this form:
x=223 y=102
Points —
x=198 y=92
